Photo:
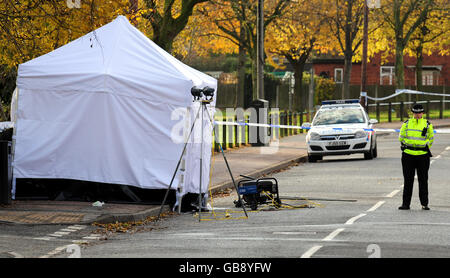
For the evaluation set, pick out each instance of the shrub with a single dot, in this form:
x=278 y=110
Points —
x=325 y=89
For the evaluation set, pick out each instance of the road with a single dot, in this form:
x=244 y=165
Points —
x=44 y=241
x=353 y=214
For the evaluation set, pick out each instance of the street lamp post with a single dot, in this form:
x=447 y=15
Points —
x=367 y=4
x=364 y=57
x=260 y=51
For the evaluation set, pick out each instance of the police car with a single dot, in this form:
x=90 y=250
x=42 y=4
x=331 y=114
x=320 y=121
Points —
x=341 y=127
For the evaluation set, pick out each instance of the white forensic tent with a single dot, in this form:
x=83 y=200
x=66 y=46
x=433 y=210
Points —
x=106 y=108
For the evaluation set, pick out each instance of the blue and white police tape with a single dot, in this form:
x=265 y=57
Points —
x=259 y=125
x=403 y=91
x=306 y=128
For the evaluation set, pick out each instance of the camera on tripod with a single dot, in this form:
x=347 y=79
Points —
x=206 y=92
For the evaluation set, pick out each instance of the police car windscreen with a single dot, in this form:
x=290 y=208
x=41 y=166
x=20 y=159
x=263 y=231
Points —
x=331 y=116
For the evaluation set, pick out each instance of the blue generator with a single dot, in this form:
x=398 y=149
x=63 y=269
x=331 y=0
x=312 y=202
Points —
x=258 y=191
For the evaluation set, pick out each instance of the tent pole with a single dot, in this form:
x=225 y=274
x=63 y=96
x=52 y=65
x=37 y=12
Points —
x=178 y=165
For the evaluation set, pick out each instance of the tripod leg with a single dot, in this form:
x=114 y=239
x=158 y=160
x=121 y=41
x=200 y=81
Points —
x=178 y=165
x=228 y=166
x=203 y=107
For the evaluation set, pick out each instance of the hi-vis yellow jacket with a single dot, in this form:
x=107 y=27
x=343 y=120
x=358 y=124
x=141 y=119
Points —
x=411 y=136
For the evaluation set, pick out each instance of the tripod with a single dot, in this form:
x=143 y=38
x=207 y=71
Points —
x=203 y=108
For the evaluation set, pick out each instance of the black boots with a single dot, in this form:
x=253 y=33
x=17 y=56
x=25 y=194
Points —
x=407 y=208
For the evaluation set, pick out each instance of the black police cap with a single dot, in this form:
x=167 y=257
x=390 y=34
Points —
x=417 y=108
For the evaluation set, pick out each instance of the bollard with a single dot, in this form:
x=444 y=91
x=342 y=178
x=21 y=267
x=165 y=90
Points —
x=247 y=129
x=289 y=123
x=296 y=122
x=230 y=133
x=378 y=111
x=401 y=111
x=277 y=122
x=281 y=123
x=224 y=134
x=301 y=121
x=237 y=142
x=390 y=112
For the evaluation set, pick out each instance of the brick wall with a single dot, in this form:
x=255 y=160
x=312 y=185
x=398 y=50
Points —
x=374 y=64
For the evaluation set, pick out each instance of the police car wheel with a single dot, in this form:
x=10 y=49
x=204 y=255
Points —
x=314 y=158
x=375 y=152
x=369 y=155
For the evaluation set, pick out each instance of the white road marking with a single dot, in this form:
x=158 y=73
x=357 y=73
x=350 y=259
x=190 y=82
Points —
x=55 y=235
x=77 y=227
x=78 y=241
x=311 y=251
x=377 y=205
x=353 y=219
x=333 y=234
x=294 y=233
x=69 y=230
x=439 y=155
x=252 y=239
x=43 y=238
x=16 y=255
x=194 y=234
x=393 y=193
x=61 y=233
x=54 y=252
x=92 y=236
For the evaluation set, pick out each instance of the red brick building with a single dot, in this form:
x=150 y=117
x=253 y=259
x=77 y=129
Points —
x=435 y=70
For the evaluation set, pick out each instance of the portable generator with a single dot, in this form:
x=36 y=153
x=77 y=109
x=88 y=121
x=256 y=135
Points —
x=258 y=191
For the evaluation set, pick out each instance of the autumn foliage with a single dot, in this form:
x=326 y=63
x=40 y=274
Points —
x=295 y=31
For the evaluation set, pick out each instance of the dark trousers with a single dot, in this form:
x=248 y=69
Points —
x=411 y=163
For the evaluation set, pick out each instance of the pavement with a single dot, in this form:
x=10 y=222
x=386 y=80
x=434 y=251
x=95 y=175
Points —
x=247 y=160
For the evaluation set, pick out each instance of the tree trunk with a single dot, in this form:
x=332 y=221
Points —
x=241 y=71
x=298 y=88
x=134 y=4
x=399 y=66
x=348 y=52
x=254 y=80
x=253 y=57
x=347 y=76
x=165 y=26
x=419 y=63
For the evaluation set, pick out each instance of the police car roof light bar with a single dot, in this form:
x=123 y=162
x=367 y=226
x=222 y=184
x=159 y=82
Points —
x=340 y=101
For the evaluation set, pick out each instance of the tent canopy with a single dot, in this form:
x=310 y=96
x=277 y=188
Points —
x=116 y=58
x=100 y=109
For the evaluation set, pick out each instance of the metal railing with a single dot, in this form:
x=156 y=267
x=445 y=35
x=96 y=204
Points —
x=390 y=111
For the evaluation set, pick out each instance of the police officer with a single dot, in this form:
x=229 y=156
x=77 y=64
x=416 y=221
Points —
x=416 y=137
